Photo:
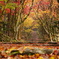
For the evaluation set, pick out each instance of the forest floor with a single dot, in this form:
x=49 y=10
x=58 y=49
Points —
x=4 y=46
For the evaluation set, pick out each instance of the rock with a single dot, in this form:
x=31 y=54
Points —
x=47 y=51
x=34 y=50
x=27 y=51
x=31 y=50
x=37 y=50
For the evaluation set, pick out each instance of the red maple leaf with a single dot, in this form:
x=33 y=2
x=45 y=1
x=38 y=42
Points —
x=7 y=10
x=26 y=10
x=55 y=52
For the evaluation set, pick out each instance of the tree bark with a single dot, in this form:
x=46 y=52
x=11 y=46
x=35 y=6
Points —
x=51 y=38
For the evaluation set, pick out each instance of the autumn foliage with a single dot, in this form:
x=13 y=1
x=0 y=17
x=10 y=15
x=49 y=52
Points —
x=2 y=3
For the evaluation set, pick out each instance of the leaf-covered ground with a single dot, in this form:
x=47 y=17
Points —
x=5 y=51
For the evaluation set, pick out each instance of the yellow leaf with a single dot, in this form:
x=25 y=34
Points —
x=28 y=30
x=58 y=57
x=21 y=55
x=37 y=55
x=28 y=22
x=9 y=50
x=40 y=57
x=52 y=57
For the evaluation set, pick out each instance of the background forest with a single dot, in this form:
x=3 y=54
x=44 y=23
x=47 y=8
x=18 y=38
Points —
x=29 y=20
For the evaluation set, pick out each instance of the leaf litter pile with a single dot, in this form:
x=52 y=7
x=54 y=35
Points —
x=23 y=51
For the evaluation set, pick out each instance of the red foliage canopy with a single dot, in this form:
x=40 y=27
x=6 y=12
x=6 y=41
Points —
x=2 y=2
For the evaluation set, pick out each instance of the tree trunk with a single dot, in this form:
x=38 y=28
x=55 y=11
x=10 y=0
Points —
x=16 y=35
x=51 y=38
x=57 y=37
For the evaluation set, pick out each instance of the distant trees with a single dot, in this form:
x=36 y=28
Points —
x=46 y=15
x=13 y=13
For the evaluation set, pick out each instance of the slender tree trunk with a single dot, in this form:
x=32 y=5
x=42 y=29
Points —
x=16 y=36
x=51 y=38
